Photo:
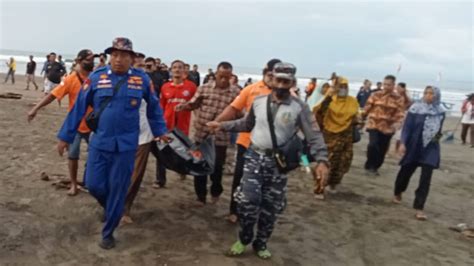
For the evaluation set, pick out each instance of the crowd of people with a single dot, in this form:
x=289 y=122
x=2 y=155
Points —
x=127 y=102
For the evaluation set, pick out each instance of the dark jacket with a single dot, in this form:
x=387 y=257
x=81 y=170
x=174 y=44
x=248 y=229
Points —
x=195 y=77
x=362 y=97
x=412 y=138
x=157 y=80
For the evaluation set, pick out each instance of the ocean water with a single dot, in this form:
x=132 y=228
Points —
x=452 y=96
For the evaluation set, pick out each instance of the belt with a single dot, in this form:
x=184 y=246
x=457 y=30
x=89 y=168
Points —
x=266 y=152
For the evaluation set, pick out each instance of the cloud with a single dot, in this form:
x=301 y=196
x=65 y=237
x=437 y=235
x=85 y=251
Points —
x=443 y=45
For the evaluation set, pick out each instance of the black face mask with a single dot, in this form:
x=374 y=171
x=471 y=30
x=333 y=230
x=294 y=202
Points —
x=282 y=93
x=87 y=66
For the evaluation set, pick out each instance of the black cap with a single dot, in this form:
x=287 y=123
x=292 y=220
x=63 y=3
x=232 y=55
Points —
x=284 y=71
x=85 y=53
x=271 y=64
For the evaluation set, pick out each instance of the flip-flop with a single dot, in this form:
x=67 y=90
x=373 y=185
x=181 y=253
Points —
x=319 y=196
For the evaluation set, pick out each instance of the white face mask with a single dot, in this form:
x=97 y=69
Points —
x=342 y=92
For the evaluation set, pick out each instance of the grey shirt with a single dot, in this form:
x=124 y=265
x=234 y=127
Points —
x=292 y=115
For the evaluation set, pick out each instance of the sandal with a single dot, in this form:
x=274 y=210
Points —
x=319 y=196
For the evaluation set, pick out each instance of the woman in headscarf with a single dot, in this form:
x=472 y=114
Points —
x=338 y=113
x=420 y=147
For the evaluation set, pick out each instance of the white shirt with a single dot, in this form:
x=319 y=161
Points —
x=145 y=131
x=467 y=116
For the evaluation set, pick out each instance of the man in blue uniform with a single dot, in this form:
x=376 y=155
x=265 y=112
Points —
x=113 y=144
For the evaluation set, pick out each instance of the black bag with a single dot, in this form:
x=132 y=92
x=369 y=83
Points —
x=184 y=157
x=355 y=134
x=92 y=119
x=288 y=155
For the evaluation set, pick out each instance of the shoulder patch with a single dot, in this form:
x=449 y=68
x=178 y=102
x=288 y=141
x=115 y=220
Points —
x=86 y=84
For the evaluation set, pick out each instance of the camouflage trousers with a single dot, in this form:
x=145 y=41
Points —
x=340 y=154
x=260 y=197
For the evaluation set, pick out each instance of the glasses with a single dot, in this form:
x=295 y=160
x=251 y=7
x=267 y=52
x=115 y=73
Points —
x=148 y=66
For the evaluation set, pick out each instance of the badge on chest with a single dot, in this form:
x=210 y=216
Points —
x=135 y=83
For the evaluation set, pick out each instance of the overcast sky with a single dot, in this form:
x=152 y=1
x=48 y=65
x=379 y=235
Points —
x=360 y=39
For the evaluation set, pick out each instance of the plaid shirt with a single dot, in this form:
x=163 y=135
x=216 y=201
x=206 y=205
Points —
x=215 y=100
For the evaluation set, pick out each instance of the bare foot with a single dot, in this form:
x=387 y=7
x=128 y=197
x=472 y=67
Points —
x=420 y=216
x=199 y=204
x=126 y=220
x=319 y=196
x=397 y=199
x=214 y=200
x=72 y=190
x=232 y=218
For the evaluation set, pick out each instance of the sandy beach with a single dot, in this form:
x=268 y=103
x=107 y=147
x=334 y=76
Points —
x=41 y=225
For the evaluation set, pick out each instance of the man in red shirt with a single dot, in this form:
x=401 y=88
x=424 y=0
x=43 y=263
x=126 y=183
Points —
x=178 y=90
x=173 y=93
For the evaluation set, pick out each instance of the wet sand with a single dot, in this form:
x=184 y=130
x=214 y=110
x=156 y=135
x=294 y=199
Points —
x=41 y=225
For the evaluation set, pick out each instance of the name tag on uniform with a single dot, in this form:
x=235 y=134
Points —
x=135 y=87
x=104 y=81
x=104 y=86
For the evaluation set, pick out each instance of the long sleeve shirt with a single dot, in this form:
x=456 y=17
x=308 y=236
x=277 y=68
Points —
x=119 y=123
x=292 y=115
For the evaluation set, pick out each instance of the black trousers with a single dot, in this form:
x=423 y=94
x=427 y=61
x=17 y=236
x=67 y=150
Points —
x=238 y=173
x=378 y=146
x=421 y=193
x=11 y=73
x=200 y=182
x=160 y=168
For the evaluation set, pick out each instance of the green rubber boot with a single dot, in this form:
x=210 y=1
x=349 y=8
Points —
x=237 y=249
x=264 y=254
